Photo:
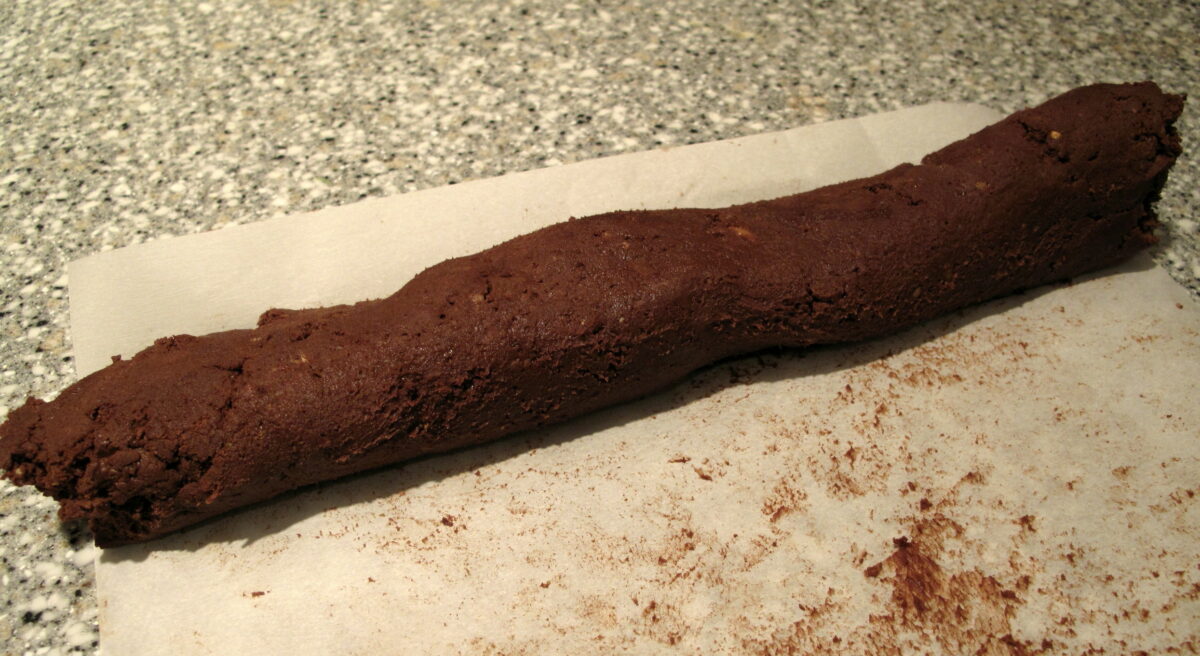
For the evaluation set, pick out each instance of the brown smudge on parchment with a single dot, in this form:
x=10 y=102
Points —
x=923 y=606
x=964 y=611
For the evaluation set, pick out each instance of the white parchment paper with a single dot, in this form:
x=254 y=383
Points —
x=1017 y=476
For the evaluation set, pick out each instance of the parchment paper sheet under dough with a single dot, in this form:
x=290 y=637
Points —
x=1019 y=476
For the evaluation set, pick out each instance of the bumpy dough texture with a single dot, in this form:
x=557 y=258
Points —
x=589 y=313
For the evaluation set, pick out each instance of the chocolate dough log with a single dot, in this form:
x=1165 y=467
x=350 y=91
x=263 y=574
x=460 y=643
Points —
x=589 y=313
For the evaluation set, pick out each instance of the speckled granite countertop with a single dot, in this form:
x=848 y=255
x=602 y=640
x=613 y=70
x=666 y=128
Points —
x=128 y=121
